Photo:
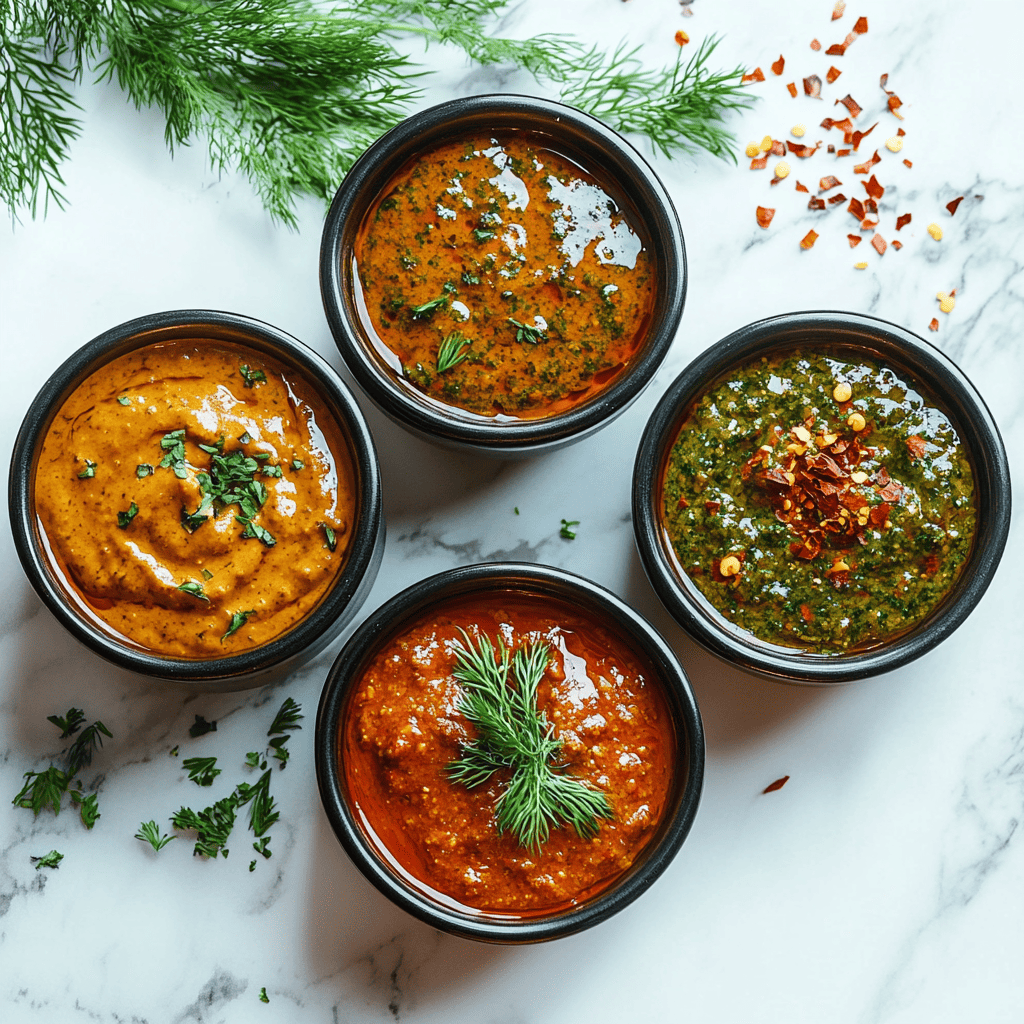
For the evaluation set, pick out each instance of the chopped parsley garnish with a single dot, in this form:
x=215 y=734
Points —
x=274 y=471
x=332 y=540
x=238 y=620
x=193 y=588
x=124 y=518
x=200 y=728
x=89 y=472
x=253 y=759
x=207 y=575
x=88 y=806
x=201 y=770
x=264 y=998
x=567 y=530
x=298 y=464
x=143 y=469
x=68 y=724
x=124 y=400
x=481 y=235
x=173 y=445
x=527 y=332
x=263 y=847
x=149 y=832
x=245 y=438
x=252 y=866
x=255 y=530
x=428 y=308
x=48 y=860
x=452 y=351
x=252 y=377
x=468 y=278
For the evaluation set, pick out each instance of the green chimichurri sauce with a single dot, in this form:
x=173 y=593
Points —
x=819 y=503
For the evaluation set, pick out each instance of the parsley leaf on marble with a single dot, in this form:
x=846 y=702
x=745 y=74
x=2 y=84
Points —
x=567 y=530
x=88 y=806
x=149 y=832
x=48 y=860
x=201 y=770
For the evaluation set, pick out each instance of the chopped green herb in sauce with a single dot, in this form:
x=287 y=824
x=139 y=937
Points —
x=819 y=503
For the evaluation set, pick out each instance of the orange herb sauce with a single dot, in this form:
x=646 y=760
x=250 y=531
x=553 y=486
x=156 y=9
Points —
x=127 y=579
x=403 y=729
x=476 y=234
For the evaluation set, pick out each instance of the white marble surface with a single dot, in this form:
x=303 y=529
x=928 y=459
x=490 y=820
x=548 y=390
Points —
x=884 y=883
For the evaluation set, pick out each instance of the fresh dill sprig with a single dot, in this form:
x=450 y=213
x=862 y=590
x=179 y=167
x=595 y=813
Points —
x=452 y=351
x=43 y=789
x=500 y=700
x=81 y=751
x=527 y=332
x=287 y=717
x=290 y=93
x=201 y=770
x=68 y=724
x=212 y=826
x=149 y=832
x=88 y=806
x=262 y=813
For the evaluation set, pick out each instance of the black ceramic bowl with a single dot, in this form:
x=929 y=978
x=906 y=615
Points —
x=569 y=132
x=258 y=665
x=914 y=360
x=519 y=580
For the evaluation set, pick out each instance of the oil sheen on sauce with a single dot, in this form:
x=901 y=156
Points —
x=819 y=502
x=124 y=487
x=403 y=729
x=513 y=261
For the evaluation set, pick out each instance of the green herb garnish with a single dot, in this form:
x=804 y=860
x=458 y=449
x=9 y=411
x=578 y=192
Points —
x=124 y=518
x=89 y=472
x=262 y=847
x=274 y=471
x=173 y=752
x=332 y=540
x=288 y=717
x=567 y=530
x=143 y=469
x=81 y=751
x=297 y=464
x=124 y=400
x=253 y=759
x=262 y=813
x=527 y=332
x=88 y=806
x=513 y=735
x=68 y=724
x=200 y=727
x=264 y=998
x=43 y=789
x=212 y=826
x=482 y=235
x=48 y=860
x=238 y=620
x=245 y=437
x=201 y=770
x=452 y=351
x=468 y=278
x=193 y=588
x=149 y=832
x=428 y=309
x=173 y=445
x=251 y=377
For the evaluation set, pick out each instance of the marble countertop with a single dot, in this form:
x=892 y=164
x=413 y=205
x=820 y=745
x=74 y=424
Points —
x=883 y=883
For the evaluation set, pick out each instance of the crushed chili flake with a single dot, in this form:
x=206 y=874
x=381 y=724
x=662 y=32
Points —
x=857 y=137
x=837 y=11
x=856 y=207
x=845 y=126
x=934 y=325
x=833 y=74
x=855 y=240
x=865 y=167
x=809 y=239
x=909 y=163
x=830 y=181
x=861 y=26
x=814 y=203
x=870 y=205
x=779 y=66
x=837 y=198
x=894 y=104
x=900 y=132
x=917 y=446
x=775 y=180
x=844 y=152
x=851 y=105
x=802 y=151
x=896 y=244
x=792 y=89
x=682 y=38
x=874 y=189
x=879 y=243
x=954 y=204
x=815 y=45
x=836 y=50
x=802 y=188
x=778 y=148
x=883 y=81
x=712 y=507
x=682 y=503
x=778 y=783
x=812 y=87
x=759 y=163
x=902 y=221
x=764 y=215
x=757 y=75
x=867 y=224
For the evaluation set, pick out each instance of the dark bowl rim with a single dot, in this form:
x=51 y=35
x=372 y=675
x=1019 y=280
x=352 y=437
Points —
x=911 y=354
x=393 y=149
x=381 y=624
x=363 y=555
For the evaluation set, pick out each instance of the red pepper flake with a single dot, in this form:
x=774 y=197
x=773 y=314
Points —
x=778 y=148
x=812 y=87
x=757 y=75
x=775 y=180
x=713 y=506
x=837 y=11
x=779 y=66
x=844 y=152
x=902 y=221
x=682 y=38
x=800 y=150
x=874 y=189
x=815 y=45
x=802 y=188
x=833 y=74
x=682 y=503
x=759 y=163
x=867 y=224
x=806 y=614
x=851 y=105
x=809 y=239
x=900 y=132
x=879 y=243
x=894 y=104
x=831 y=148
x=845 y=126
x=837 y=198
x=861 y=27
x=865 y=167
x=856 y=207
x=855 y=240
x=764 y=215
x=934 y=325
x=908 y=162
x=815 y=203
x=778 y=783
x=792 y=89
x=830 y=181
x=917 y=446
x=954 y=204
x=896 y=244
x=870 y=205
x=857 y=137
x=836 y=50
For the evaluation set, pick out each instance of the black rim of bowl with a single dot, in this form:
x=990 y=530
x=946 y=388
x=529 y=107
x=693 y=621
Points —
x=920 y=363
x=366 y=546
x=546 y=581
x=580 y=137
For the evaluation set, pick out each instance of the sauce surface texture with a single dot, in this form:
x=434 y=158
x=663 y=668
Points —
x=404 y=729
x=819 y=503
x=513 y=262
x=185 y=550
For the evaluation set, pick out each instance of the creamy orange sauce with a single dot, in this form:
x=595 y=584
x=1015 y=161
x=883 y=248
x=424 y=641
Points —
x=102 y=458
x=403 y=729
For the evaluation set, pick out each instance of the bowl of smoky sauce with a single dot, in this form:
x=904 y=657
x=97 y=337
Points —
x=407 y=391
x=447 y=598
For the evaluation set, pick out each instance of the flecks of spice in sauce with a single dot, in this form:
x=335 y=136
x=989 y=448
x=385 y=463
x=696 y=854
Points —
x=176 y=577
x=403 y=730
x=527 y=255
x=854 y=517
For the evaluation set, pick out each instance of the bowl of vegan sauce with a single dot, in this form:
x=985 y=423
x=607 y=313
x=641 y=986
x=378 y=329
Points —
x=506 y=759
x=196 y=497
x=502 y=273
x=815 y=501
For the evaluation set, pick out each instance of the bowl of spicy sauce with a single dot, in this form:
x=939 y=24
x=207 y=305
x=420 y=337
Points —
x=502 y=274
x=821 y=497
x=463 y=824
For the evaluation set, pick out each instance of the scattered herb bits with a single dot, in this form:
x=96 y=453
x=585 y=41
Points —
x=149 y=832
x=567 y=530
x=48 y=860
